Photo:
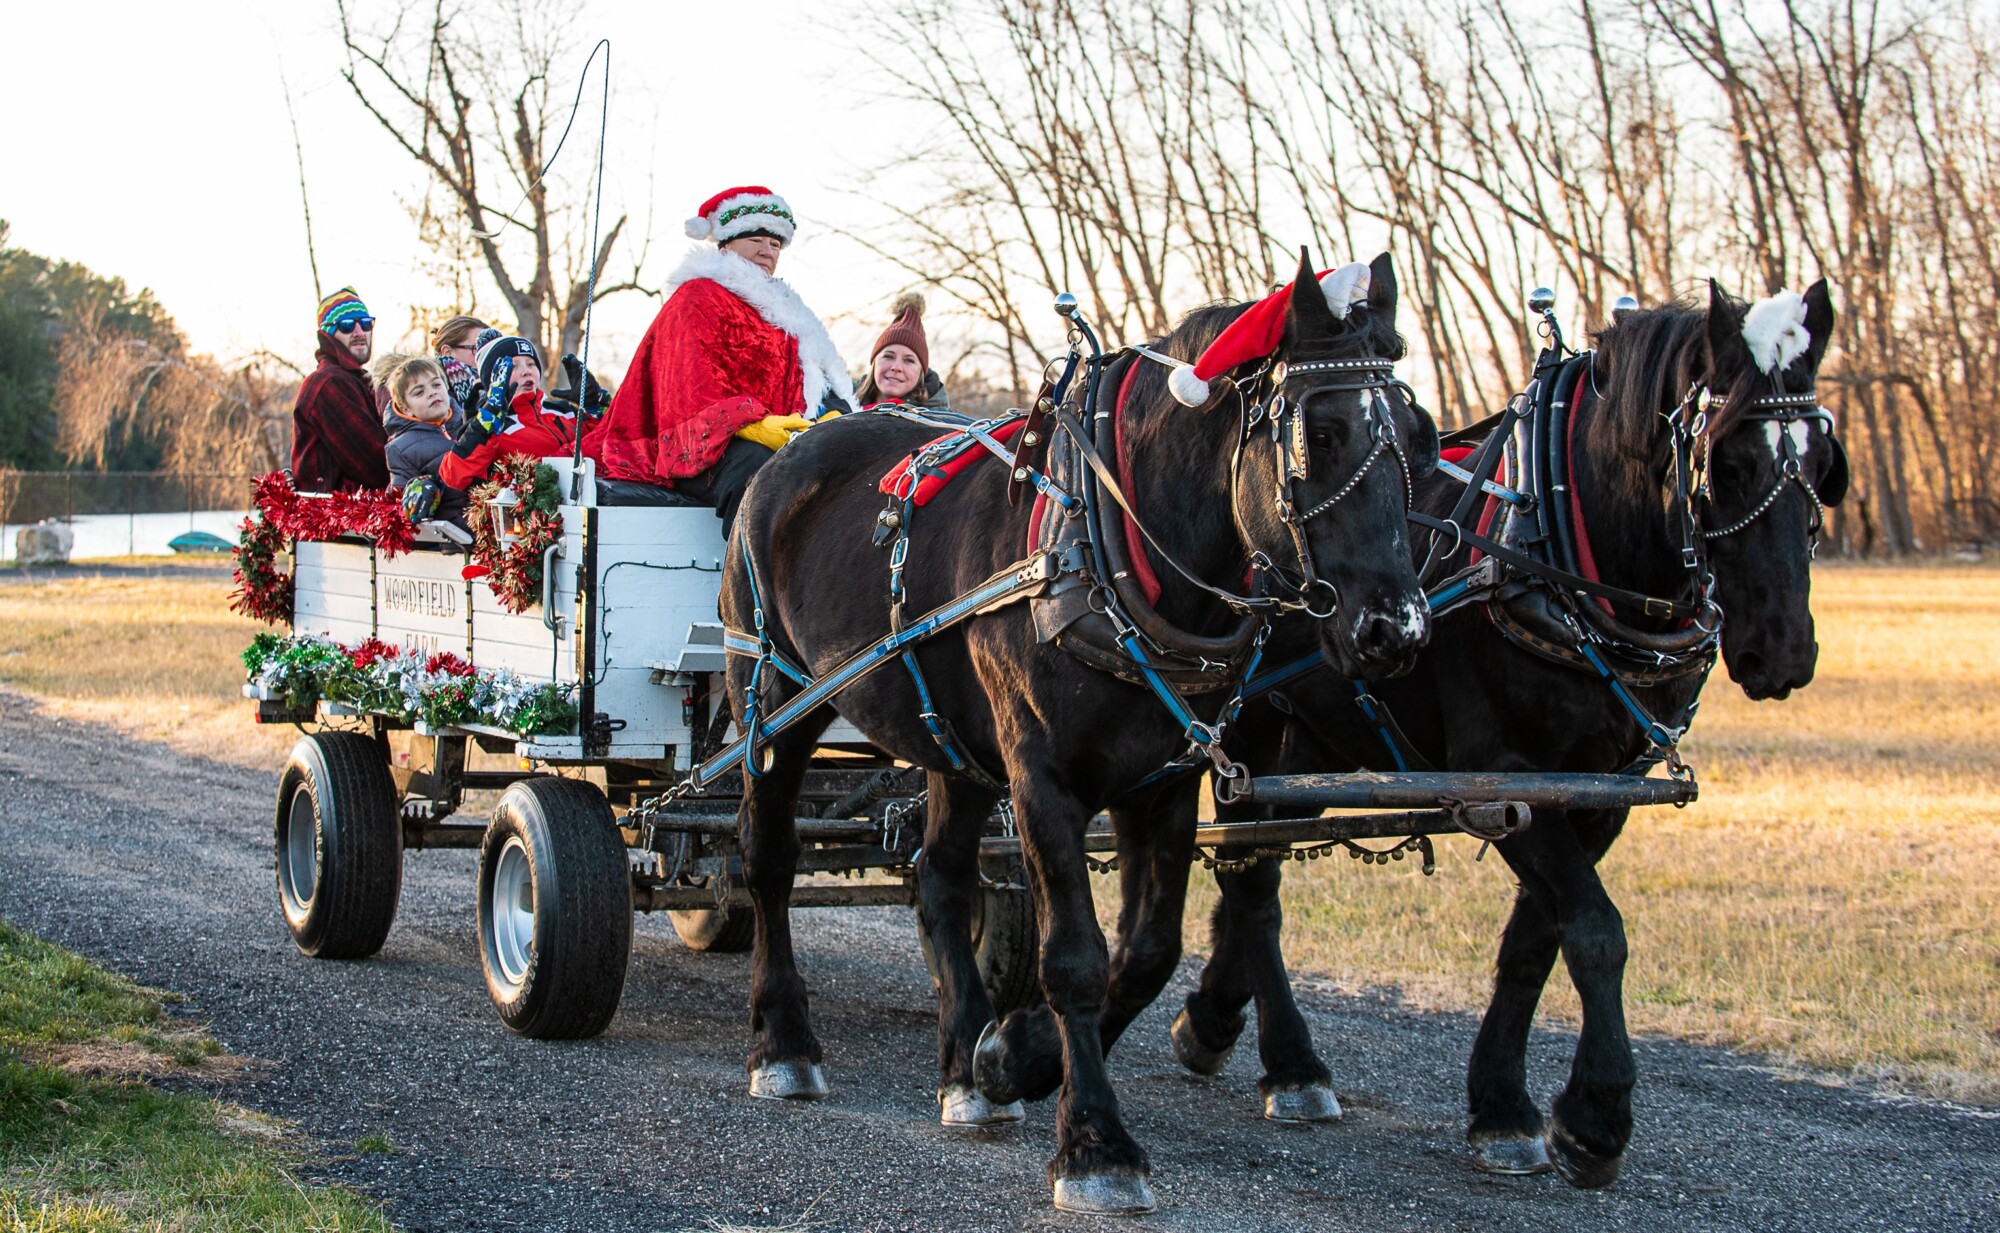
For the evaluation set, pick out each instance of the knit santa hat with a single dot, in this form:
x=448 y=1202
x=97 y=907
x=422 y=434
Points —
x=736 y=212
x=1258 y=332
x=907 y=329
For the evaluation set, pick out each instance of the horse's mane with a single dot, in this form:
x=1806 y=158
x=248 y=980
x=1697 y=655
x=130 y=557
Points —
x=1653 y=357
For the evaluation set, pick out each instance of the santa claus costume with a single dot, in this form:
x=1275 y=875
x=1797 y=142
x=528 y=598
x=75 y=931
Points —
x=732 y=349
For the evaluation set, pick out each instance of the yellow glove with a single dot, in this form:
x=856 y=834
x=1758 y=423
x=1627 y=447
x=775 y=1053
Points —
x=773 y=431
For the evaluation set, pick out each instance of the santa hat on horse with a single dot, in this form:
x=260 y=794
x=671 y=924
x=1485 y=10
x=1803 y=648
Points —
x=1258 y=332
x=736 y=212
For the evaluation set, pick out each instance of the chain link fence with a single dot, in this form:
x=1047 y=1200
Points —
x=122 y=513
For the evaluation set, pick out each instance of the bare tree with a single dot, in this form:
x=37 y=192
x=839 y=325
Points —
x=479 y=112
x=1093 y=146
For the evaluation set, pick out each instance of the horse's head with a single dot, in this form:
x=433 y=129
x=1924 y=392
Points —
x=1768 y=466
x=1325 y=469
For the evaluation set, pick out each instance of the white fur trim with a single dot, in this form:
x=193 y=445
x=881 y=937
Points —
x=759 y=218
x=1187 y=389
x=1775 y=329
x=1346 y=287
x=698 y=228
x=777 y=303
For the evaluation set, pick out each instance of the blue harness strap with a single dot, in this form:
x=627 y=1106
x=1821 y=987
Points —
x=1008 y=586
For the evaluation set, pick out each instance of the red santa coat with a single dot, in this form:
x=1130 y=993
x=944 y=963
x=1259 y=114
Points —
x=730 y=346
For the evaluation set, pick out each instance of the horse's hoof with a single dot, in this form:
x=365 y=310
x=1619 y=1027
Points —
x=1311 y=1102
x=795 y=1080
x=963 y=1106
x=1104 y=1194
x=1578 y=1165
x=1511 y=1155
x=1194 y=1055
x=989 y=1065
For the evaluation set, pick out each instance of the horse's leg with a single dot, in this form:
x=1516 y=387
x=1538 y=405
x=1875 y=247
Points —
x=947 y=881
x=1023 y=1056
x=784 y=1060
x=1098 y=1167
x=1591 y=1120
x=1506 y=1127
x=1249 y=961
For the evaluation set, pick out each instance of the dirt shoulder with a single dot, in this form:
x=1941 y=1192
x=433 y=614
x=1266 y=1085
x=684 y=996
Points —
x=157 y=864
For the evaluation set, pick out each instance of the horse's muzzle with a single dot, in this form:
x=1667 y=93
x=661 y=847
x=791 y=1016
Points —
x=1381 y=641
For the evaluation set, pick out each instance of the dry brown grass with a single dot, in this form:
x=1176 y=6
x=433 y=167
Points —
x=153 y=657
x=1834 y=897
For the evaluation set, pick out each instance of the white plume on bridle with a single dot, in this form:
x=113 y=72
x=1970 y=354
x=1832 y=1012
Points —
x=1775 y=330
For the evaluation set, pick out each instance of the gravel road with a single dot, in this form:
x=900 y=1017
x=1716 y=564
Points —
x=158 y=866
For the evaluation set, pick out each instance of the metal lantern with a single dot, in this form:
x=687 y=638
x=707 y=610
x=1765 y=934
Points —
x=504 y=507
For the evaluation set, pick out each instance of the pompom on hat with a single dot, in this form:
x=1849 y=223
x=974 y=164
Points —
x=736 y=212
x=907 y=329
x=1258 y=332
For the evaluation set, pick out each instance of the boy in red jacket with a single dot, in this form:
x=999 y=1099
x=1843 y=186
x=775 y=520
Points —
x=515 y=416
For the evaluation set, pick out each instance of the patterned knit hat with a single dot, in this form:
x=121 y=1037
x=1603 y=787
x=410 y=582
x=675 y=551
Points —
x=338 y=307
x=907 y=329
x=736 y=212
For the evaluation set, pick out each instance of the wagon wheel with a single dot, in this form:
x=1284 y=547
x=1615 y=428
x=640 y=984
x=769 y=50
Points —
x=726 y=931
x=555 y=909
x=1004 y=937
x=339 y=842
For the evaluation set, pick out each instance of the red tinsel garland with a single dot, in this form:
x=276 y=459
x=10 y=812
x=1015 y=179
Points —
x=375 y=513
x=264 y=591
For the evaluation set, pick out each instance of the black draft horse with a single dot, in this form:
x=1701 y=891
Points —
x=1476 y=701
x=1065 y=739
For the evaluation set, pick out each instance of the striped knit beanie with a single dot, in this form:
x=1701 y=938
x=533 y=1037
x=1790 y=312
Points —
x=338 y=307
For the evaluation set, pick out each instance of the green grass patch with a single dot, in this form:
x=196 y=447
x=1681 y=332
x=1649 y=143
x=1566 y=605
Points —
x=83 y=1153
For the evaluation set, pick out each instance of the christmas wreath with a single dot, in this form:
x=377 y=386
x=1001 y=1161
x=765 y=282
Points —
x=534 y=522
x=264 y=591
x=441 y=690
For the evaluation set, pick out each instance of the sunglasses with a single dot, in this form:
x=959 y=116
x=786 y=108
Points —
x=354 y=323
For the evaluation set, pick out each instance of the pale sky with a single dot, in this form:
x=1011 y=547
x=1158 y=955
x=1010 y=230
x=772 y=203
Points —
x=150 y=141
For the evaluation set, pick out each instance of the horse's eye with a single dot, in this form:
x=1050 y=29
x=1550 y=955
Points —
x=1319 y=440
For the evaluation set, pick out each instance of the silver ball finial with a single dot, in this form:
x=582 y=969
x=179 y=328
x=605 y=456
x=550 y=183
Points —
x=1066 y=305
x=1622 y=305
x=1541 y=300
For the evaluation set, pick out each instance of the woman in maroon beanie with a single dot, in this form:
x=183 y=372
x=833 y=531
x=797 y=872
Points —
x=899 y=366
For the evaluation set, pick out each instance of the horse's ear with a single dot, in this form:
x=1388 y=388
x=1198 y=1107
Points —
x=1819 y=323
x=1310 y=316
x=1424 y=444
x=1833 y=489
x=1725 y=324
x=1382 y=290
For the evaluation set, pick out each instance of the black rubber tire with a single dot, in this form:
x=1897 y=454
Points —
x=724 y=931
x=1005 y=942
x=338 y=842
x=1008 y=944
x=561 y=976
